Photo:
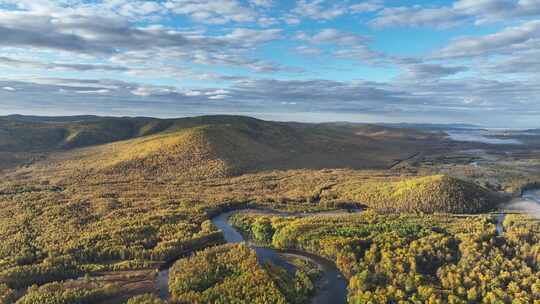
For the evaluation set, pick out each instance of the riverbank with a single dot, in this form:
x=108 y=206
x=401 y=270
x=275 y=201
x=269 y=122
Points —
x=331 y=287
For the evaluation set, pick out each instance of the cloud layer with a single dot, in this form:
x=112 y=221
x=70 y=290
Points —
x=328 y=59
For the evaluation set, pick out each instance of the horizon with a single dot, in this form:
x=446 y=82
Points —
x=269 y=151
x=374 y=61
x=392 y=124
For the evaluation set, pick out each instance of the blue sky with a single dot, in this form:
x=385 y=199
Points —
x=474 y=61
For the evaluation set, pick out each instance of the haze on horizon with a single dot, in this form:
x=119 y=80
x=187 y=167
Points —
x=466 y=61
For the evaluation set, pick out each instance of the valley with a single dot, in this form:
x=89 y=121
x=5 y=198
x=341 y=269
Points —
x=98 y=208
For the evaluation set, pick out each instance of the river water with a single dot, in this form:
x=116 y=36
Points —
x=528 y=202
x=481 y=136
x=532 y=195
x=331 y=287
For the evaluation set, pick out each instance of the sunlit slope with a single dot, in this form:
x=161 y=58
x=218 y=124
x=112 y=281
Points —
x=219 y=146
x=438 y=193
x=198 y=152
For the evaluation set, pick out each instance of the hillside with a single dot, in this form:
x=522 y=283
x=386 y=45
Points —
x=213 y=146
x=118 y=210
x=195 y=153
x=35 y=134
x=438 y=193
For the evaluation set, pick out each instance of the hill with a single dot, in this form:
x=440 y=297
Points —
x=429 y=194
x=45 y=134
x=142 y=198
x=212 y=146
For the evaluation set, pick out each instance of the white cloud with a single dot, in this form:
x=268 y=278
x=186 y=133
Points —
x=474 y=98
x=250 y=37
x=146 y=91
x=346 y=45
x=217 y=92
x=479 y=11
x=100 y=91
x=306 y=50
x=212 y=11
x=319 y=9
x=365 y=7
x=523 y=37
x=263 y=3
x=428 y=72
x=218 y=97
x=192 y=93
x=331 y=35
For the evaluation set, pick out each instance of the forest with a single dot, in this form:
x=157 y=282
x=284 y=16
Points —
x=416 y=259
x=86 y=223
x=231 y=274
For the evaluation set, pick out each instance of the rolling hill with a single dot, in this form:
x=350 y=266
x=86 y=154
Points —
x=207 y=146
x=427 y=194
x=44 y=134
x=114 y=199
x=193 y=153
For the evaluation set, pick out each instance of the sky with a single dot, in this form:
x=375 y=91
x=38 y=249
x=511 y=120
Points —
x=466 y=61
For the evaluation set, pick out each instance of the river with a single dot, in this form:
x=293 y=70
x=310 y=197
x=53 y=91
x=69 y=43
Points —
x=331 y=287
x=528 y=202
x=481 y=136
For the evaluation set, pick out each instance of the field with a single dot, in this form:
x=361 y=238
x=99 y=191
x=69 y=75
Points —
x=98 y=205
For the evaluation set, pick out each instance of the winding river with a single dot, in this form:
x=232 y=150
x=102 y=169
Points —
x=532 y=195
x=331 y=287
x=528 y=202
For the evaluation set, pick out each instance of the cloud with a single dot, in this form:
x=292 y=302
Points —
x=146 y=91
x=417 y=16
x=319 y=9
x=331 y=35
x=121 y=41
x=100 y=91
x=426 y=72
x=346 y=45
x=306 y=50
x=30 y=64
x=218 y=97
x=263 y=3
x=130 y=9
x=478 y=11
x=232 y=55
x=366 y=6
x=526 y=62
x=446 y=99
x=214 y=11
x=251 y=37
x=523 y=37
x=88 y=35
x=362 y=53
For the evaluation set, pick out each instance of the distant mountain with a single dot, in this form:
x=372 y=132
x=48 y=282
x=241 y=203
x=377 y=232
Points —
x=207 y=145
x=50 y=119
x=43 y=134
x=428 y=126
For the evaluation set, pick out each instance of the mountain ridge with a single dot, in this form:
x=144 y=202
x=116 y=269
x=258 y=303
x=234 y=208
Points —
x=240 y=144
